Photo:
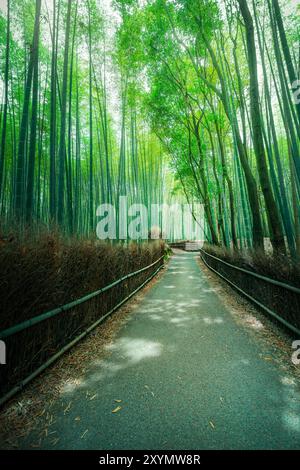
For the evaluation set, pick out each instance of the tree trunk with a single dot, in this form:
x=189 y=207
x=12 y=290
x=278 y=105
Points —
x=274 y=222
x=19 y=199
x=32 y=143
x=5 y=106
x=62 y=142
x=52 y=176
x=286 y=50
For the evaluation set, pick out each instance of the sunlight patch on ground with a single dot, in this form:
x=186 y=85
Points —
x=127 y=352
x=151 y=310
x=213 y=321
x=176 y=272
x=207 y=290
x=135 y=350
x=164 y=310
x=179 y=320
x=71 y=385
x=291 y=420
x=253 y=322
x=288 y=381
x=246 y=362
x=156 y=317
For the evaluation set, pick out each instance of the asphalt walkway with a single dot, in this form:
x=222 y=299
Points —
x=185 y=376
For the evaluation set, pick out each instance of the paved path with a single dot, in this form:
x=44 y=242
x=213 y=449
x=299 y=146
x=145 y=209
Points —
x=189 y=377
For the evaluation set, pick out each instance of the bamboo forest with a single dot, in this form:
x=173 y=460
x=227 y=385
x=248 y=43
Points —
x=149 y=216
x=103 y=100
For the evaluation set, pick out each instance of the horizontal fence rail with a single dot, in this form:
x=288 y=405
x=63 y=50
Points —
x=278 y=299
x=39 y=318
x=37 y=334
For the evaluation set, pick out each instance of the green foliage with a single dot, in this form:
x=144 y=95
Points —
x=159 y=99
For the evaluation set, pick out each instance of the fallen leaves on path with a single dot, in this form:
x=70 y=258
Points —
x=117 y=409
x=268 y=358
x=67 y=408
x=148 y=388
x=55 y=441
